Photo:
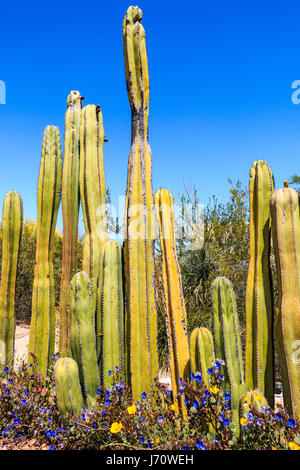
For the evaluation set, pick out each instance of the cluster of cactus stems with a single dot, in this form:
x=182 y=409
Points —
x=112 y=313
x=68 y=391
x=102 y=327
x=12 y=222
x=286 y=241
x=202 y=352
x=83 y=337
x=141 y=314
x=70 y=210
x=42 y=329
x=176 y=319
x=259 y=301
x=228 y=342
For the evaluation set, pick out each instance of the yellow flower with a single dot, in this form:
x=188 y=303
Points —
x=214 y=390
x=116 y=427
x=27 y=345
x=259 y=397
x=294 y=446
x=157 y=441
x=87 y=421
x=131 y=409
x=173 y=407
x=274 y=448
x=244 y=421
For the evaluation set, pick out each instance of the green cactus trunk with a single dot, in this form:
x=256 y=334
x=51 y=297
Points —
x=12 y=222
x=68 y=391
x=176 y=319
x=83 y=338
x=228 y=342
x=141 y=314
x=42 y=329
x=92 y=194
x=70 y=211
x=259 y=297
x=202 y=352
x=286 y=241
x=112 y=313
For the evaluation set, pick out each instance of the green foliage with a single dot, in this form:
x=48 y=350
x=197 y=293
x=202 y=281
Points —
x=295 y=181
x=30 y=419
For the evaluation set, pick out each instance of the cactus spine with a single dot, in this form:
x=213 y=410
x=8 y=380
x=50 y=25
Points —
x=141 y=314
x=202 y=352
x=112 y=312
x=228 y=341
x=12 y=221
x=70 y=211
x=68 y=391
x=41 y=342
x=83 y=338
x=259 y=305
x=92 y=193
x=175 y=305
x=286 y=241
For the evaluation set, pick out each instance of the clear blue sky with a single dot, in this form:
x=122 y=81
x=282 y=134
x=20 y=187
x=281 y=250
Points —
x=221 y=75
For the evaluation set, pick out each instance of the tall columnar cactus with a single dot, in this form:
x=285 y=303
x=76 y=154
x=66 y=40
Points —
x=141 y=314
x=202 y=352
x=82 y=336
x=92 y=193
x=70 y=211
x=259 y=304
x=175 y=306
x=12 y=221
x=286 y=241
x=68 y=391
x=228 y=341
x=112 y=313
x=42 y=330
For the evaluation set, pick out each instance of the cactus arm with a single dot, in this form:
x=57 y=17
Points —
x=259 y=305
x=141 y=315
x=70 y=211
x=226 y=315
x=12 y=221
x=83 y=338
x=68 y=391
x=112 y=312
x=175 y=305
x=42 y=334
x=195 y=364
x=206 y=352
x=286 y=240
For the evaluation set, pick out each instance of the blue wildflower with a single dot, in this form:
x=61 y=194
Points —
x=195 y=404
x=185 y=448
x=226 y=422
x=200 y=445
x=291 y=423
x=278 y=416
x=144 y=395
